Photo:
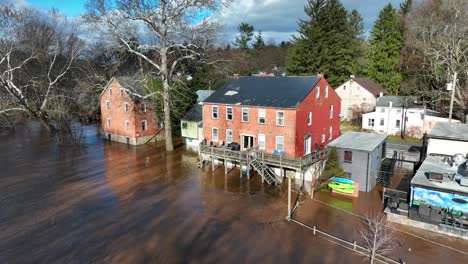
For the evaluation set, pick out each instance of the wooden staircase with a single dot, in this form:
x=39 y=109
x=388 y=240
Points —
x=266 y=172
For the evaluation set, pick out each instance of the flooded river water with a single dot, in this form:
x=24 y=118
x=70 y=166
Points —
x=113 y=203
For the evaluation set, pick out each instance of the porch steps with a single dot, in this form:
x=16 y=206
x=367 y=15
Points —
x=266 y=172
x=385 y=172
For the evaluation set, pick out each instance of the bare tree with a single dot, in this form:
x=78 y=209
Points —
x=378 y=237
x=37 y=51
x=170 y=32
x=438 y=31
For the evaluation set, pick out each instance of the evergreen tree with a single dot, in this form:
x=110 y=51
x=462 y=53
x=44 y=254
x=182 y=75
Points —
x=259 y=42
x=327 y=42
x=332 y=169
x=385 y=45
x=357 y=26
x=246 y=32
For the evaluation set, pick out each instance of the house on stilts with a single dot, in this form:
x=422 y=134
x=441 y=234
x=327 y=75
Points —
x=275 y=126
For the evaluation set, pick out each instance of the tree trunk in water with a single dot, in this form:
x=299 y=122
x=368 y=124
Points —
x=167 y=117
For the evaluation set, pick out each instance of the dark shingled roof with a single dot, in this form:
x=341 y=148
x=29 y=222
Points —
x=280 y=92
x=194 y=114
x=398 y=101
x=370 y=86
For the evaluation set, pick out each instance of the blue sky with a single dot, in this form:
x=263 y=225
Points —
x=277 y=19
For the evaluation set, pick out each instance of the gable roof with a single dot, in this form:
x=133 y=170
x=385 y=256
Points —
x=373 y=88
x=454 y=131
x=279 y=92
x=203 y=94
x=398 y=101
x=194 y=114
x=133 y=86
x=358 y=141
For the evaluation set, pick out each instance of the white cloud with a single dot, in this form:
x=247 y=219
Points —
x=278 y=18
x=15 y=3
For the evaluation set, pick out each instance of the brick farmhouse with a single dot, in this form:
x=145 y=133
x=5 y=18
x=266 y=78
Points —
x=293 y=116
x=125 y=116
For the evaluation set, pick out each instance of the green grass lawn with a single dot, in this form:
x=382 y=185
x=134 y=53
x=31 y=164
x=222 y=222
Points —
x=406 y=139
x=347 y=126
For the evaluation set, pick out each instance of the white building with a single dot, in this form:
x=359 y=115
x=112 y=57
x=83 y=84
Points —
x=360 y=94
x=396 y=115
x=448 y=139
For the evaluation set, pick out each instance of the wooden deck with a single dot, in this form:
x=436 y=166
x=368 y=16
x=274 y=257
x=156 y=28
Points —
x=279 y=161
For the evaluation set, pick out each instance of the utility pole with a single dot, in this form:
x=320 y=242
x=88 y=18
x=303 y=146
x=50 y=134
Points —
x=454 y=86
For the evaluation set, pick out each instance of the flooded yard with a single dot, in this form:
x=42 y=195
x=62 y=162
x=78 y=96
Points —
x=113 y=203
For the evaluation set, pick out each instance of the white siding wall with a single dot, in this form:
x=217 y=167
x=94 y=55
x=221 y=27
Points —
x=351 y=93
x=446 y=147
x=390 y=115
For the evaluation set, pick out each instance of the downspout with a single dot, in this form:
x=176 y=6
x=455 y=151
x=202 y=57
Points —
x=367 y=172
x=403 y=120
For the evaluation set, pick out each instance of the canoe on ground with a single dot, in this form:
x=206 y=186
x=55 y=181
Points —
x=342 y=180
x=342 y=187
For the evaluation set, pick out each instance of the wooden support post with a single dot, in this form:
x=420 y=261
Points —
x=248 y=166
x=289 y=200
x=240 y=169
x=315 y=230
x=225 y=167
x=354 y=245
x=212 y=164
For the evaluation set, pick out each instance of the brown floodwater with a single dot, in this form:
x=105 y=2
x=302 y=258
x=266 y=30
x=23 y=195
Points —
x=113 y=203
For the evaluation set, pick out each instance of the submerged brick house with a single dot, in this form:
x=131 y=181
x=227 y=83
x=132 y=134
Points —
x=292 y=116
x=125 y=116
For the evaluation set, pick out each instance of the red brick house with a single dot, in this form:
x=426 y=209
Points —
x=125 y=116
x=290 y=115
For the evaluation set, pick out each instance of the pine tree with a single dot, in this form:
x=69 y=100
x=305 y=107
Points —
x=259 y=42
x=245 y=36
x=385 y=45
x=326 y=44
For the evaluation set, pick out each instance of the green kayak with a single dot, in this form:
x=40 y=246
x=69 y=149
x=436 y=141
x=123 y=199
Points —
x=342 y=187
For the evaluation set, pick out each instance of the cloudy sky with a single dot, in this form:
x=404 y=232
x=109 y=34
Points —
x=276 y=18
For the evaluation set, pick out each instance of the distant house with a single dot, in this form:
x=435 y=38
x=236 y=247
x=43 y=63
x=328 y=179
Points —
x=126 y=117
x=293 y=116
x=448 y=139
x=358 y=94
x=401 y=115
x=360 y=155
x=191 y=124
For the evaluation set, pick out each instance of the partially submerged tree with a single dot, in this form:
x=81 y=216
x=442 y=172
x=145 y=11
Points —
x=171 y=32
x=37 y=52
x=332 y=169
x=378 y=236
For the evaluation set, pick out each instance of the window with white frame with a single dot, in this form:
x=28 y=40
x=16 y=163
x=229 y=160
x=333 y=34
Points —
x=326 y=91
x=261 y=141
x=318 y=92
x=323 y=138
x=397 y=123
x=214 y=134
x=331 y=111
x=110 y=91
x=214 y=112
x=144 y=125
x=364 y=99
x=126 y=107
x=121 y=92
x=280 y=143
x=107 y=105
x=228 y=135
x=330 y=131
x=382 y=110
x=279 y=118
x=371 y=122
x=108 y=122
x=245 y=115
x=143 y=107
x=382 y=122
x=398 y=110
x=261 y=116
x=127 y=124
x=344 y=87
x=228 y=113
x=309 y=118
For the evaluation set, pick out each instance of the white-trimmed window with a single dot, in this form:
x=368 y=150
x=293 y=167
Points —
x=280 y=143
x=214 y=134
x=214 y=112
x=323 y=138
x=228 y=113
x=228 y=135
x=110 y=91
x=107 y=105
x=245 y=115
x=127 y=124
x=382 y=110
x=317 y=95
x=331 y=111
x=261 y=141
x=108 y=122
x=126 y=107
x=279 y=118
x=309 y=118
x=326 y=91
x=330 y=131
x=143 y=107
x=382 y=122
x=397 y=123
x=371 y=122
x=261 y=116
x=121 y=92
x=144 y=125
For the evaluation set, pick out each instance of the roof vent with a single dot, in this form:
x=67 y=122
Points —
x=231 y=93
x=434 y=176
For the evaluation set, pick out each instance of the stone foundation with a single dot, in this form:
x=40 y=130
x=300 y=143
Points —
x=134 y=141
